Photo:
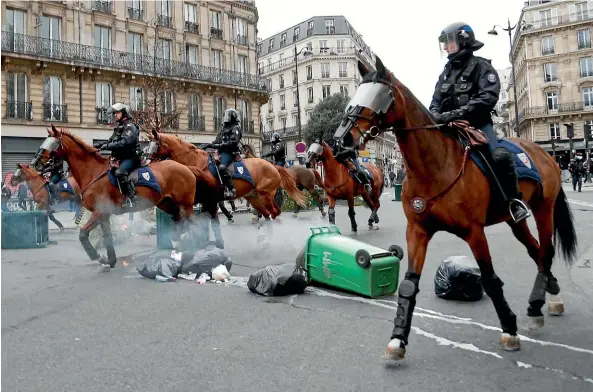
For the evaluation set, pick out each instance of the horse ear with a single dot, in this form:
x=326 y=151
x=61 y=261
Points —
x=381 y=70
x=155 y=134
x=18 y=165
x=55 y=130
x=362 y=69
x=49 y=132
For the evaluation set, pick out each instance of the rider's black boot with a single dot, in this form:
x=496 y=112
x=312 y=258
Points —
x=510 y=182
x=53 y=193
x=227 y=182
x=364 y=180
x=128 y=190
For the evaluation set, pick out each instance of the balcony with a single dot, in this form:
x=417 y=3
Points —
x=102 y=117
x=328 y=51
x=76 y=54
x=247 y=126
x=164 y=20
x=19 y=110
x=325 y=75
x=215 y=33
x=196 y=123
x=103 y=6
x=192 y=27
x=289 y=132
x=168 y=120
x=52 y=112
x=547 y=51
x=343 y=74
x=241 y=40
x=543 y=111
x=295 y=38
x=217 y=124
x=135 y=13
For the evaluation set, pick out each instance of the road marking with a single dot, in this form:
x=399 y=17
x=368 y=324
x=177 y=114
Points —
x=582 y=203
x=446 y=342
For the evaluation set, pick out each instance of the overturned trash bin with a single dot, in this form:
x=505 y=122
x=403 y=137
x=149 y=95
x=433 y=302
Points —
x=341 y=262
x=459 y=279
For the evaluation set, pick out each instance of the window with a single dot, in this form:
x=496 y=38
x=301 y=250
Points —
x=323 y=48
x=297 y=32
x=51 y=27
x=295 y=120
x=547 y=45
x=550 y=72
x=241 y=31
x=17 y=105
x=242 y=64
x=52 y=99
x=104 y=95
x=283 y=123
x=309 y=46
x=270 y=105
x=190 y=12
x=310 y=94
x=586 y=67
x=294 y=77
x=282 y=39
x=269 y=84
x=555 y=131
x=341 y=44
x=281 y=60
x=191 y=54
x=584 y=38
x=282 y=102
x=588 y=97
x=271 y=125
x=309 y=72
x=163 y=49
x=166 y=99
x=325 y=70
x=15 y=24
x=310 y=27
x=136 y=98
x=135 y=10
x=193 y=113
x=135 y=44
x=329 y=26
x=545 y=18
x=281 y=77
x=269 y=64
x=216 y=58
x=344 y=91
x=244 y=113
x=215 y=20
x=270 y=45
x=295 y=99
x=343 y=70
x=163 y=8
x=582 y=13
x=326 y=91
x=552 y=101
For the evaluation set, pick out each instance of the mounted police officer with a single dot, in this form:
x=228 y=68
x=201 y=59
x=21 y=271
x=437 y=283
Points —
x=227 y=144
x=278 y=150
x=468 y=89
x=56 y=169
x=124 y=145
x=348 y=156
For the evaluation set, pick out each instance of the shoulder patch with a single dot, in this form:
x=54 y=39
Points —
x=491 y=78
x=128 y=132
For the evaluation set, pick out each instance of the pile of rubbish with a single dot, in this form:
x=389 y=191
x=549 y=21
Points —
x=458 y=278
x=209 y=264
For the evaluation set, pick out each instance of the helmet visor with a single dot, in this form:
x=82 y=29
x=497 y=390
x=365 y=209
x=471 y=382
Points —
x=448 y=44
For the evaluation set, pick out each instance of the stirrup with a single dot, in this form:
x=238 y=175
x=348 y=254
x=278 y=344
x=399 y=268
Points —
x=368 y=188
x=523 y=207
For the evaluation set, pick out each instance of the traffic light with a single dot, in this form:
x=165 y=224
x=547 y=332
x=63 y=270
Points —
x=569 y=130
x=589 y=130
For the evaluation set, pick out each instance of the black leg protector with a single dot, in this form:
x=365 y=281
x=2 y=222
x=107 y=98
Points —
x=351 y=214
x=108 y=242
x=83 y=236
x=331 y=212
x=493 y=287
x=537 y=298
x=406 y=302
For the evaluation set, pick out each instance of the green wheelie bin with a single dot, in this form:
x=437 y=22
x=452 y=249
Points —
x=341 y=262
x=397 y=192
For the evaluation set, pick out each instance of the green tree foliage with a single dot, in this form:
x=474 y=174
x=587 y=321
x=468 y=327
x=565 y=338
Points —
x=325 y=118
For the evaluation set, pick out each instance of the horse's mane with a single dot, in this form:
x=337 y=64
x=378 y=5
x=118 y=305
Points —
x=82 y=144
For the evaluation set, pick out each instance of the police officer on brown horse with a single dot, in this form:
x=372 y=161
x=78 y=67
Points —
x=468 y=89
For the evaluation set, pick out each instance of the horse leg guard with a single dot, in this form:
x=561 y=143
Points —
x=83 y=236
x=332 y=215
x=402 y=324
x=108 y=242
x=351 y=214
x=493 y=287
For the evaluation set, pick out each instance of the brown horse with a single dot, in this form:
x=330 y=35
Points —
x=339 y=185
x=444 y=190
x=305 y=179
x=90 y=170
x=38 y=185
x=266 y=178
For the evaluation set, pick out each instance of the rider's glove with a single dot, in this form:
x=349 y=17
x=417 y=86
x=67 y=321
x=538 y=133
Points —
x=98 y=145
x=215 y=146
x=105 y=147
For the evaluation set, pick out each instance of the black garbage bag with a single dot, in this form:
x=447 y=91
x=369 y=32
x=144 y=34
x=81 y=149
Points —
x=458 y=278
x=278 y=280
x=205 y=260
x=159 y=265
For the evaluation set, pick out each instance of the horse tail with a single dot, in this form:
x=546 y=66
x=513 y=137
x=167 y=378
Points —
x=318 y=179
x=564 y=228
x=289 y=185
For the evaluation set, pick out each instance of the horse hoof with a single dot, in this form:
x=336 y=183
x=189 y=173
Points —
x=510 y=342
x=555 y=306
x=295 y=215
x=396 y=350
x=323 y=214
x=535 y=322
x=231 y=221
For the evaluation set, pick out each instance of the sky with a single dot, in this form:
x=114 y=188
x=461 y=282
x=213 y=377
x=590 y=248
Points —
x=403 y=33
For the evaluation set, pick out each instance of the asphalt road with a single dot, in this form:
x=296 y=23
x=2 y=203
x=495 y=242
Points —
x=65 y=326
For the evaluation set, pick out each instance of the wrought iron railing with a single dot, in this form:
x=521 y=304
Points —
x=537 y=111
x=103 y=117
x=103 y=6
x=215 y=33
x=164 y=20
x=52 y=112
x=135 y=13
x=287 y=132
x=19 y=110
x=171 y=120
x=73 y=52
x=241 y=40
x=192 y=27
x=247 y=126
x=217 y=123
x=196 y=123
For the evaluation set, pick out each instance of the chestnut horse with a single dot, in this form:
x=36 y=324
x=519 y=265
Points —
x=305 y=179
x=266 y=178
x=38 y=185
x=445 y=190
x=339 y=184
x=89 y=168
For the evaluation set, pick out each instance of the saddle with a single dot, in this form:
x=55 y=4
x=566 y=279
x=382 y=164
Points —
x=474 y=137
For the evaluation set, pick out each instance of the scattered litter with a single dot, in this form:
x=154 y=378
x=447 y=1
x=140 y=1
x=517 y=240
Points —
x=160 y=278
x=158 y=266
x=76 y=339
x=177 y=256
x=187 y=276
x=204 y=277
x=205 y=260
x=278 y=280
x=221 y=274
x=458 y=278
x=124 y=263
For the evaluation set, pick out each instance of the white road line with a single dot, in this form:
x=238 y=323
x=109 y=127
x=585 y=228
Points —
x=446 y=342
x=582 y=203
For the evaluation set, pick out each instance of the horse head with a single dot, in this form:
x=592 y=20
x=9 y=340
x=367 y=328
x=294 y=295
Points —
x=18 y=175
x=158 y=148
x=318 y=150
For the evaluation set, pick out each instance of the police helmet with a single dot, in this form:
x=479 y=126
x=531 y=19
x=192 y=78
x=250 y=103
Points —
x=275 y=137
x=119 y=107
x=230 y=117
x=458 y=36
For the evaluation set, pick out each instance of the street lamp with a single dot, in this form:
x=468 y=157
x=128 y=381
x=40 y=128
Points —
x=509 y=29
x=306 y=53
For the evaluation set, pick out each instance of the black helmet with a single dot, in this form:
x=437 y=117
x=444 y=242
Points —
x=230 y=117
x=119 y=107
x=458 y=36
x=275 y=137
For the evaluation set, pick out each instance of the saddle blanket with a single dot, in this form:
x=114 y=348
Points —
x=239 y=171
x=65 y=186
x=140 y=177
x=523 y=164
